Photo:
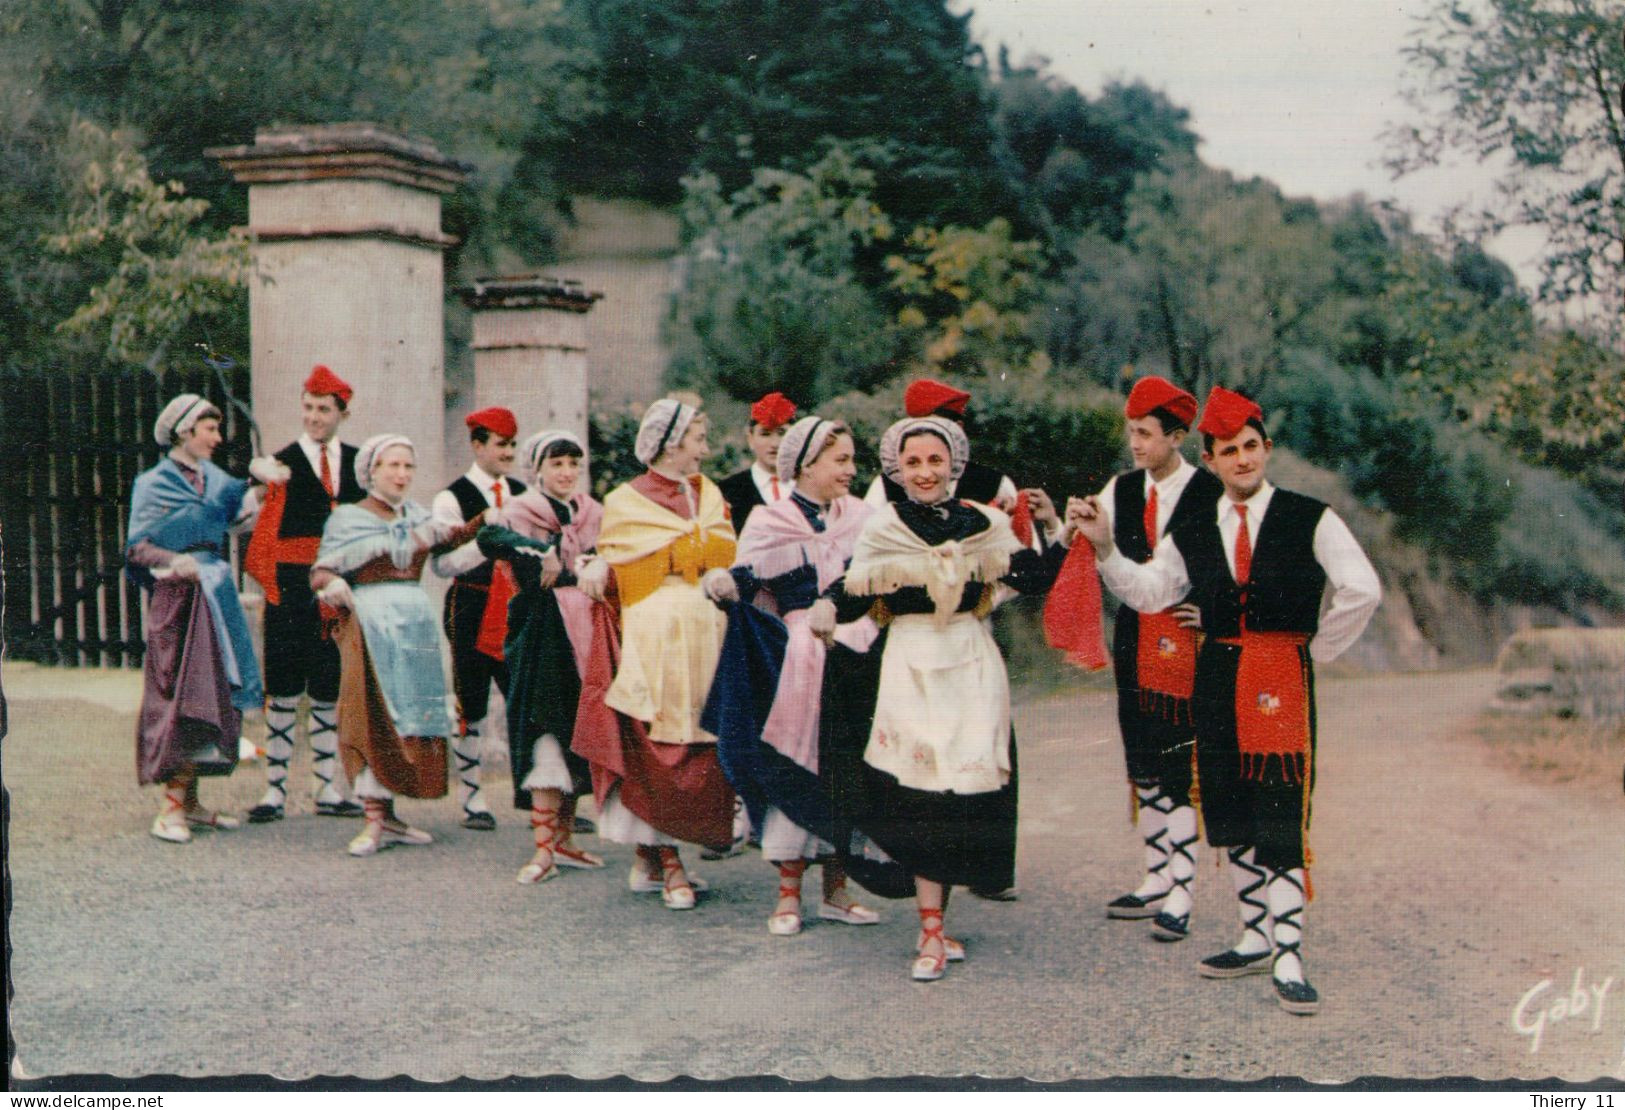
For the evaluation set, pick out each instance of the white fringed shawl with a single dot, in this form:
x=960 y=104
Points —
x=890 y=556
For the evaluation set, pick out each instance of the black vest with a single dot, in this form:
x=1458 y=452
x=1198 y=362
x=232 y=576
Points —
x=978 y=483
x=307 y=507
x=1287 y=581
x=471 y=503
x=1196 y=502
x=740 y=492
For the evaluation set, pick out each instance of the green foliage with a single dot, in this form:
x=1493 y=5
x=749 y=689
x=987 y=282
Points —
x=611 y=437
x=156 y=274
x=1500 y=528
x=772 y=297
x=730 y=86
x=1073 y=160
x=1561 y=403
x=1215 y=281
x=1536 y=86
x=969 y=298
x=491 y=81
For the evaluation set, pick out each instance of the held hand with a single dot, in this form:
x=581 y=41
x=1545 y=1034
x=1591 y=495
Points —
x=1086 y=515
x=821 y=619
x=593 y=578
x=1043 y=508
x=184 y=566
x=268 y=470
x=1188 y=615
x=552 y=567
x=720 y=586
x=337 y=594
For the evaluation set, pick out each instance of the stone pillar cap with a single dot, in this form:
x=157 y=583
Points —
x=341 y=150
x=529 y=291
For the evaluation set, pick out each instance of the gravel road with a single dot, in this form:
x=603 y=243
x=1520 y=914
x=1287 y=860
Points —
x=1449 y=889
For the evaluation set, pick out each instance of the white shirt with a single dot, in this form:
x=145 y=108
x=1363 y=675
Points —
x=446 y=510
x=313 y=453
x=1350 y=579
x=1168 y=494
x=765 y=480
x=312 y=450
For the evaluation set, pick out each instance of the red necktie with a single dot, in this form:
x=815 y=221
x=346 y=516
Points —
x=775 y=481
x=1151 y=519
x=1244 y=549
x=497 y=488
x=327 y=474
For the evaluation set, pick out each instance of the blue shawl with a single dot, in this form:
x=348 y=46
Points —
x=166 y=511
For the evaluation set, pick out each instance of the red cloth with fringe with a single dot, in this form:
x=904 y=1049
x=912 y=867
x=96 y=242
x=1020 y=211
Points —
x=1272 y=704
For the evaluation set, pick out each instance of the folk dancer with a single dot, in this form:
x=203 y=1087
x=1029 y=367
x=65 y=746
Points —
x=980 y=483
x=759 y=483
x=1154 y=655
x=199 y=675
x=393 y=719
x=940 y=756
x=1253 y=572
x=551 y=529
x=479 y=496
x=299 y=660
x=656 y=778
x=779 y=596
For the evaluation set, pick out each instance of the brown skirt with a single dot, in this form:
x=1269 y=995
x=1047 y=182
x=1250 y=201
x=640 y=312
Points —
x=187 y=721
x=414 y=766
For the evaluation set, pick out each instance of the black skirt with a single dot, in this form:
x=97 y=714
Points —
x=955 y=839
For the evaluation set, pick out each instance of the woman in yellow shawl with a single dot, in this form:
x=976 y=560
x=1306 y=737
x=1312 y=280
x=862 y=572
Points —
x=655 y=771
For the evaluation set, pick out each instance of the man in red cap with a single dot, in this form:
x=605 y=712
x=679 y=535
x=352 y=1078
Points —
x=1154 y=655
x=484 y=489
x=298 y=659
x=758 y=484
x=979 y=482
x=1252 y=575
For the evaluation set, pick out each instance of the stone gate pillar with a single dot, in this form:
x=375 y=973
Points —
x=345 y=224
x=530 y=349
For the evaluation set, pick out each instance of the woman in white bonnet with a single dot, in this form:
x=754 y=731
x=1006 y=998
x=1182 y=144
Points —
x=550 y=530
x=393 y=720
x=940 y=756
x=655 y=773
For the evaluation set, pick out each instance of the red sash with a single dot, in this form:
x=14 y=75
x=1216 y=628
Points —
x=266 y=549
x=494 y=621
x=1272 y=704
x=1165 y=661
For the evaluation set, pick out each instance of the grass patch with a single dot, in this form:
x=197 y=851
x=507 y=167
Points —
x=1555 y=749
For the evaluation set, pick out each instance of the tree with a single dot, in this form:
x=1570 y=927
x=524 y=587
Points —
x=969 y=298
x=479 y=77
x=727 y=86
x=1537 y=86
x=155 y=273
x=1233 y=275
x=771 y=295
x=1076 y=159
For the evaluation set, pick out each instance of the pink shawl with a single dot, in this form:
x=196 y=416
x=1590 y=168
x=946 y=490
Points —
x=531 y=514
x=779 y=538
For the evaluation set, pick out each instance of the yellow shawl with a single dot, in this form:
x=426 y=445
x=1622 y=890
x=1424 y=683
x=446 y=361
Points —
x=644 y=542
